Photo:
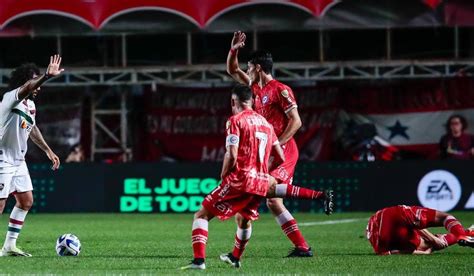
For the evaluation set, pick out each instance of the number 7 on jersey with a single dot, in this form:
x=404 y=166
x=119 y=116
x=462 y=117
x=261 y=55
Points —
x=262 y=144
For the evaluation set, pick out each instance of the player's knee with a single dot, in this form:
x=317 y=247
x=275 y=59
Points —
x=242 y=222
x=198 y=215
x=245 y=224
x=275 y=204
x=440 y=217
x=271 y=191
x=271 y=187
x=202 y=214
x=25 y=204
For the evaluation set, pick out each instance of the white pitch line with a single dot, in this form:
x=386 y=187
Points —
x=327 y=222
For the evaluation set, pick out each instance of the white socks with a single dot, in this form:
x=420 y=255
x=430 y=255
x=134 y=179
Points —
x=17 y=217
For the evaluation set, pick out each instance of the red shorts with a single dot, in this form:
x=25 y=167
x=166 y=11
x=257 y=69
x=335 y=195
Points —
x=395 y=228
x=225 y=201
x=284 y=173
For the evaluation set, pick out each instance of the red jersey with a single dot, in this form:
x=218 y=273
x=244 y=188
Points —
x=273 y=101
x=396 y=228
x=254 y=137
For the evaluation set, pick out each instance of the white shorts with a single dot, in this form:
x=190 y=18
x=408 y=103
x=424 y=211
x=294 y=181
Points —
x=14 y=179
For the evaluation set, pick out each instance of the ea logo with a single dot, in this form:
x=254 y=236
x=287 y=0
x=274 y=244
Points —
x=439 y=190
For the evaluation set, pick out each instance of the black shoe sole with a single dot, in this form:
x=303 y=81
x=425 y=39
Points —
x=301 y=255
x=465 y=243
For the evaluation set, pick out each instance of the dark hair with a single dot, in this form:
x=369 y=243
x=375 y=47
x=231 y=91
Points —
x=264 y=59
x=242 y=92
x=460 y=117
x=22 y=74
x=73 y=147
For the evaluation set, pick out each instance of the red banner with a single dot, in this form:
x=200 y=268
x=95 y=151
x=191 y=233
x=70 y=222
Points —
x=459 y=13
x=98 y=12
x=189 y=124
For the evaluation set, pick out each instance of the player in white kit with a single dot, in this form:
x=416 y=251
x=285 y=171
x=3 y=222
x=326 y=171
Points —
x=17 y=124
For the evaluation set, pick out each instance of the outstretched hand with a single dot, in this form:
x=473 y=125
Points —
x=53 y=67
x=238 y=41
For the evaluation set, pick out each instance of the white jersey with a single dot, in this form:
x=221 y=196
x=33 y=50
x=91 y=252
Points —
x=17 y=119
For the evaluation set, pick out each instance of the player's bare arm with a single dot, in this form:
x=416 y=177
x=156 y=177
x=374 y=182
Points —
x=430 y=241
x=230 y=160
x=38 y=139
x=53 y=70
x=422 y=252
x=404 y=252
x=233 y=69
x=278 y=157
x=294 y=123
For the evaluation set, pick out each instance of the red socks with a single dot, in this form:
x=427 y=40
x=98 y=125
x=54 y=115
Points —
x=241 y=239
x=454 y=226
x=286 y=190
x=450 y=239
x=199 y=238
x=290 y=227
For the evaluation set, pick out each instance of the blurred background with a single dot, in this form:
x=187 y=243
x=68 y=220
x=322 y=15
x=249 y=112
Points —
x=385 y=91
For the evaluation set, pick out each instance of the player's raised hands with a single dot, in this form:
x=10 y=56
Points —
x=53 y=67
x=238 y=41
x=33 y=84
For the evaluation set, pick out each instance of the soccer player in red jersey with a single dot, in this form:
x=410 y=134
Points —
x=245 y=179
x=275 y=101
x=402 y=230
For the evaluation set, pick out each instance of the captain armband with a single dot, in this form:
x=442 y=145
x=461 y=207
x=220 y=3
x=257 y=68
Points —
x=232 y=140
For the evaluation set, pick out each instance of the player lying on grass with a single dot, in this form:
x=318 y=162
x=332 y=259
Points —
x=402 y=230
x=17 y=121
x=245 y=180
x=276 y=102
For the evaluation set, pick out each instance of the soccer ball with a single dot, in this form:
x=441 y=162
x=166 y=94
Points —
x=68 y=245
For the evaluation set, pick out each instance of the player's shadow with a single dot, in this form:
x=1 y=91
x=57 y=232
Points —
x=348 y=254
x=140 y=256
x=373 y=254
x=134 y=256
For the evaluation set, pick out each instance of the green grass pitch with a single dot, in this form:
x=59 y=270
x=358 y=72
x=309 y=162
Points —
x=160 y=244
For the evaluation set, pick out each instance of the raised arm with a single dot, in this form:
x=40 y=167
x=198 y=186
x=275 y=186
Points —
x=233 y=69
x=53 y=70
x=38 y=139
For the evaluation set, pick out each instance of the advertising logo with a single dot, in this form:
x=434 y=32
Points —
x=439 y=190
x=169 y=195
